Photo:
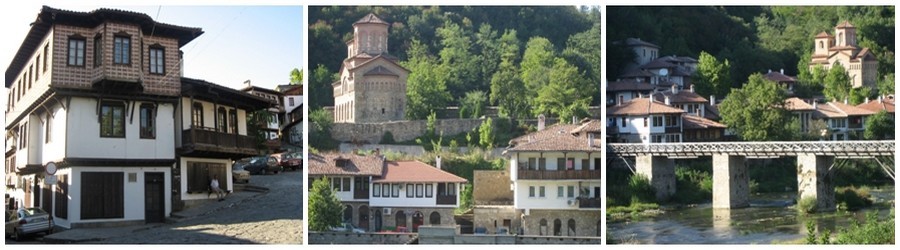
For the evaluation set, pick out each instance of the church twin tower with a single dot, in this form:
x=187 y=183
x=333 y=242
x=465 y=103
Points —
x=372 y=87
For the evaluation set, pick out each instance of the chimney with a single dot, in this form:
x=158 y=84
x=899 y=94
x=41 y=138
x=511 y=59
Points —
x=674 y=89
x=590 y=137
x=574 y=119
x=438 y=162
x=667 y=100
x=247 y=84
x=880 y=99
x=782 y=71
x=712 y=100
x=867 y=99
x=815 y=104
x=845 y=100
x=692 y=88
x=541 y=120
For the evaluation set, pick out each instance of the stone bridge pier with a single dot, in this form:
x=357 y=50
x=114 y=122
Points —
x=731 y=181
x=814 y=180
x=660 y=170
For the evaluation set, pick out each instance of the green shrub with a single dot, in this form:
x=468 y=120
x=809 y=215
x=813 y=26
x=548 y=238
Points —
x=852 y=198
x=692 y=185
x=807 y=205
x=874 y=231
x=641 y=190
x=387 y=138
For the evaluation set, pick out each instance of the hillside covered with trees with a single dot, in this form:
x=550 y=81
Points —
x=752 y=39
x=525 y=60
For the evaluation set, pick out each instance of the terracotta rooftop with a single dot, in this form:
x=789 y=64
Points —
x=776 y=76
x=683 y=96
x=557 y=138
x=371 y=18
x=797 y=104
x=823 y=35
x=548 y=132
x=588 y=126
x=638 y=42
x=350 y=164
x=642 y=106
x=696 y=122
x=839 y=110
x=415 y=172
x=876 y=105
x=845 y=24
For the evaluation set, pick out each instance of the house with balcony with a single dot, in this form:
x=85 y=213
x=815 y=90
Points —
x=845 y=122
x=802 y=110
x=274 y=116
x=555 y=175
x=211 y=125
x=292 y=125
x=90 y=120
x=644 y=120
x=382 y=195
x=618 y=92
x=785 y=81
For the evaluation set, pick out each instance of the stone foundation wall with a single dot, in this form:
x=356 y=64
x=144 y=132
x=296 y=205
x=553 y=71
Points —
x=587 y=223
x=492 y=188
x=357 y=239
x=491 y=218
x=401 y=130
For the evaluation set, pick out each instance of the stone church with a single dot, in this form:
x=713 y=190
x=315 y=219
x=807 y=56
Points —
x=372 y=87
x=841 y=47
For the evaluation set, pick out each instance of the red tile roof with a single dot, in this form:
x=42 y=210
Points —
x=548 y=132
x=642 y=106
x=839 y=110
x=886 y=104
x=683 y=96
x=561 y=137
x=796 y=104
x=823 y=35
x=776 y=76
x=415 y=172
x=845 y=24
x=696 y=122
x=356 y=165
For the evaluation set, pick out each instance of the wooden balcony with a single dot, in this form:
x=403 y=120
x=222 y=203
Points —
x=559 y=174
x=209 y=140
x=360 y=194
x=589 y=202
x=446 y=200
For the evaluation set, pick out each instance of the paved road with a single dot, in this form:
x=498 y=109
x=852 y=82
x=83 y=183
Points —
x=274 y=217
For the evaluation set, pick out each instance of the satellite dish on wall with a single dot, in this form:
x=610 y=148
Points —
x=663 y=72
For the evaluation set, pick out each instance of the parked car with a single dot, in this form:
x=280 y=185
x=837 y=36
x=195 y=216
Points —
x=261 y=165
x=26 y=221
x=238 y=174
x=347 y=227
x=294 y=161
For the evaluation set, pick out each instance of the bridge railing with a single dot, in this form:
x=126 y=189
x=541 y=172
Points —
x=758 y=149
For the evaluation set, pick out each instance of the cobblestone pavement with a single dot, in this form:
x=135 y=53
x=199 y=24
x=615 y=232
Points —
x=274 y=217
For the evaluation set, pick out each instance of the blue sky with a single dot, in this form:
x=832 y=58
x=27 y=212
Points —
x=258 y=43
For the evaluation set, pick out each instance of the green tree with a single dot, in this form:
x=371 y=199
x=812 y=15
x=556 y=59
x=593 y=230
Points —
x=837 y=83
x=878 y=126
x=568 y=93
x=859 y=95
x=325 y=210
x=536 y=64
x=486 y=134
x=507 y=91
x=320 y=90
x=756 y=111
x=585 y=47
x=457 y=59
x=320 y=122
x=712 y=77
x=296 y=77
x=886 y=85
x=472 y=105
x=488 y=48
x=426 y=86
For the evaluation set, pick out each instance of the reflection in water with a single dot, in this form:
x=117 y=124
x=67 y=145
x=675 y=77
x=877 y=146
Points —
x=771 y=218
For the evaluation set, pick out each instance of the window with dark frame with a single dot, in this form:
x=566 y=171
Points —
x=429 y=190
x=345 y=187
x=121 y=50
x=419 y=190
x=37 y=68
x=376 y=190
x=197 y=115
x=222 y=118
x=559 y=192
x=232 y=115
x=46 y=56
x=98 y=50
x=395 y=190
x=148 y=121
x=531 y=191
x=542 y=192
x=75 y=56
x=112 y=119
x=385 y=190
x=157 y=60
x=410 y=189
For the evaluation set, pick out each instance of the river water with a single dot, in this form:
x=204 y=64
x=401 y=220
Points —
x=771 y=218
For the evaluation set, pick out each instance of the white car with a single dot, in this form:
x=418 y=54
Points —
x=22 y=222
x=347 y=227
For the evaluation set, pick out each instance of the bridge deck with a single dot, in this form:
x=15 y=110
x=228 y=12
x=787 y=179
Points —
x=755 y=149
